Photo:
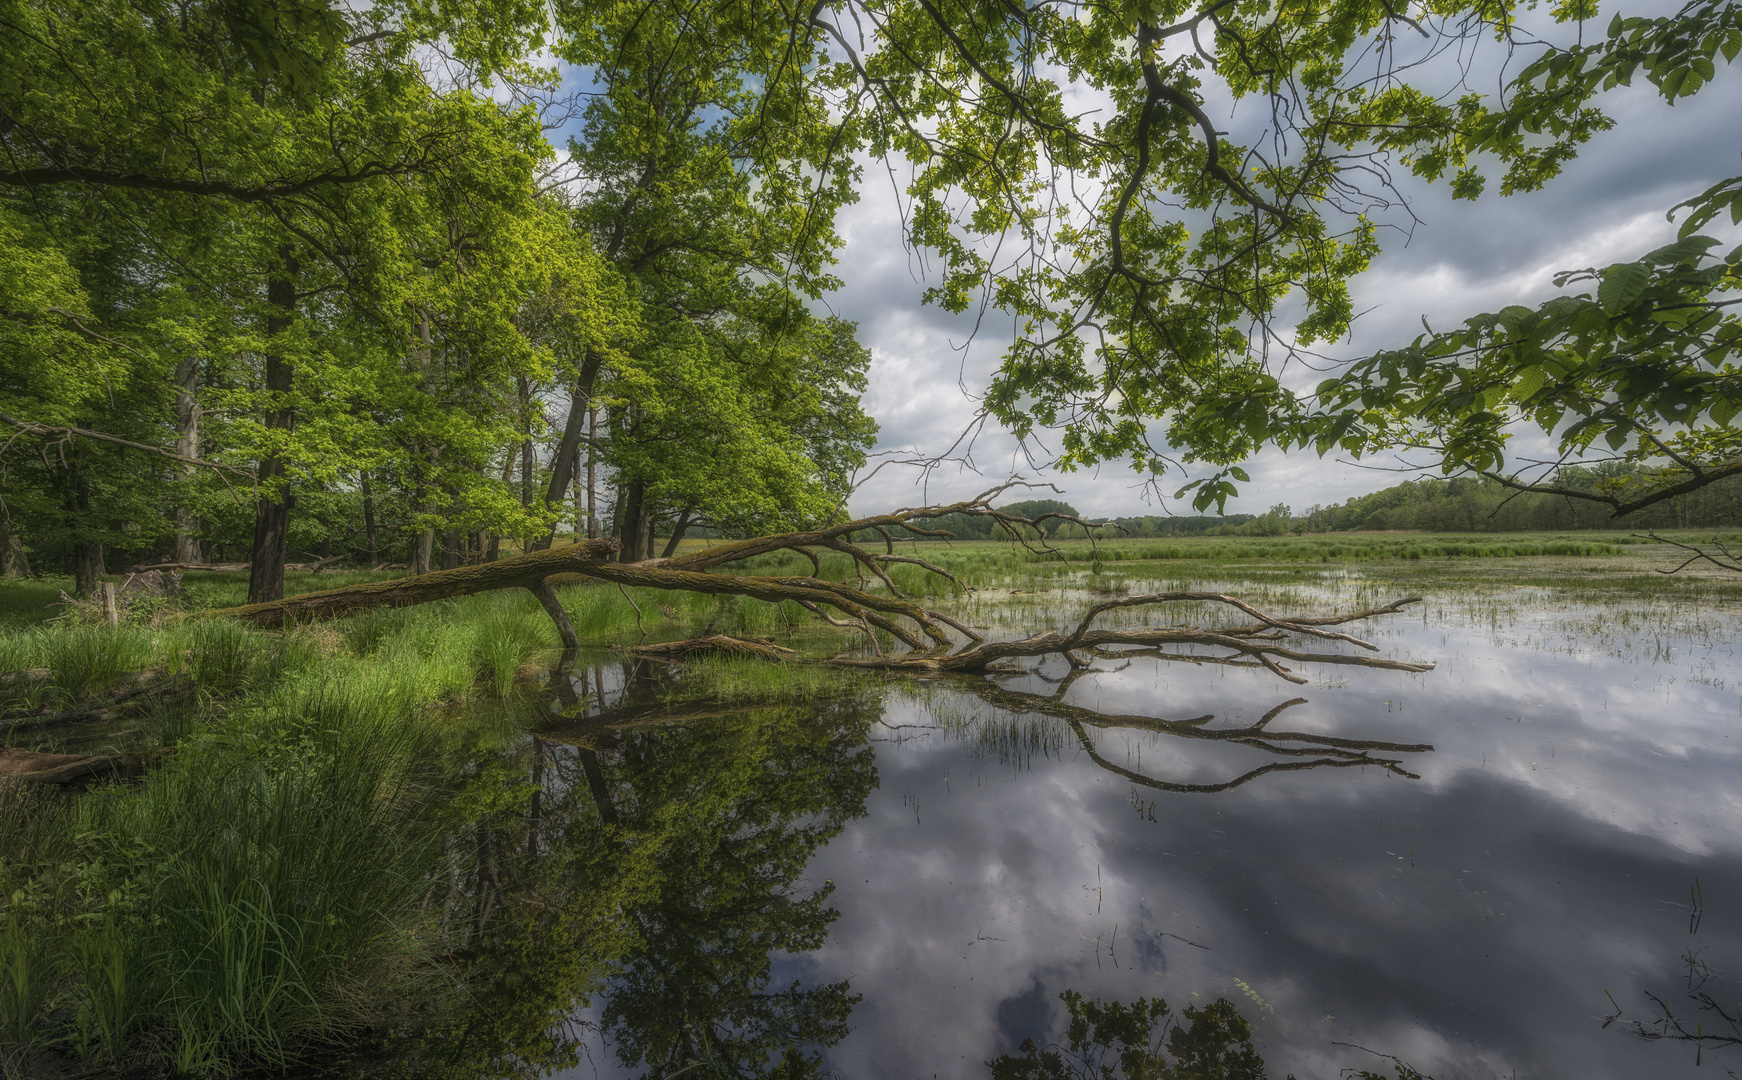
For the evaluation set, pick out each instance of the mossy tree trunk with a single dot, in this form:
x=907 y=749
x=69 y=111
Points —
x=524 y=572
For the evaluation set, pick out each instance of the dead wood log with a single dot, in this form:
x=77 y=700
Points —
x=522 y=572
x=538 y=571
x=176 y=686
x=230 y=568
x=33 y=768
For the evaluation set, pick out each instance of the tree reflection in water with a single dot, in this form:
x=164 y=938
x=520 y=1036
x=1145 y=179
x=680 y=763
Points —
x=1143 y=1040
x=1299 y=749
x=640 y=863
x=653 y=867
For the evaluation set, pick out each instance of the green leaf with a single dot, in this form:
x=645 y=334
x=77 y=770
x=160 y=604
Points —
x=1622 y=286
x=1528 y=382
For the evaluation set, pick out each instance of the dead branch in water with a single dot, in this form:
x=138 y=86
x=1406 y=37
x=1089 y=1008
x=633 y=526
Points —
x=1257 y=645
x=1725 y=559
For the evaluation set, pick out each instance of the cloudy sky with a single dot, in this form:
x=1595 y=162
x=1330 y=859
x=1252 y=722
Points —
x=1465 y=258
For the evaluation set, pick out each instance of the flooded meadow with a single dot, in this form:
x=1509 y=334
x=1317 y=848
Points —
x=423 y=844
x=1518 y=863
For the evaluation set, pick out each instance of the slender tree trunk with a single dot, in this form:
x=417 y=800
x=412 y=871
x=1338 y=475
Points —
x=528 y=462
x=592 y=445
x=451 y=549
x=617 y=512
x=187 y=444
x=88 y=568
x=13 y=562
x=369 y=522
x=677 y=531
x=564 y=466
x=272 y=509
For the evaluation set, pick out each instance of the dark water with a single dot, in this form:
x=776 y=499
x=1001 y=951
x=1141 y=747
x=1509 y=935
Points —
x=901 y=884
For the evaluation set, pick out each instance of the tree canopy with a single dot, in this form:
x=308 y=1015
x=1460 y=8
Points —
x=295 y=276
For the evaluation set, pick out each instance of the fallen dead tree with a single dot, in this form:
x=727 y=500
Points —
x=530 y=572
x=26 y=766
x=152 y=688
x=229 y=567
x=874 y=603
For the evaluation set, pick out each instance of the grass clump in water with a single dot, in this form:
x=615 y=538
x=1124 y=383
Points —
x=251 y=900
x=735 y=679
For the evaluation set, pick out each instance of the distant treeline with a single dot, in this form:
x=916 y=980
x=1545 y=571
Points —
x=1469 y=504
x=1462 y=505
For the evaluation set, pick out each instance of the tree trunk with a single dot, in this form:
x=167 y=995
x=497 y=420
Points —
x=187 y=445
x=88 y=568
x=631 y=528
x=617 y=510
x=523 y=571
x=422 y=551
x=564 y=465
x=451 y=549
x=369 y=521
x=677 y=531
x=272 y=509
x=13 y=562
x=592 y=445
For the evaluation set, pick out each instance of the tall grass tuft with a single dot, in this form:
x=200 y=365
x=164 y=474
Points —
x=222 y=655
x=290 y=857
x=508 y=637
x=91 y=660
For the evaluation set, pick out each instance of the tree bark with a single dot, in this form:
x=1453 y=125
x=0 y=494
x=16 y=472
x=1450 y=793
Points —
x=592 y=445
x=369 y=520
x=88 y=568
x=272 y=509
x=13 y=562
x=422 y=551
x=451 y=554
x=187 y=445
x=617 y=508
x=631 y=526
x=564 y=465
x=523 y=571
x=677 y=530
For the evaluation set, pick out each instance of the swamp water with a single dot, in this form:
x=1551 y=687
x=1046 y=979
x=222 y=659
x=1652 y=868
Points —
x=901 y=881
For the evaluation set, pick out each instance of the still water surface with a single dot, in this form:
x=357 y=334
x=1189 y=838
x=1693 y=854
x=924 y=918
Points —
x=957 y=859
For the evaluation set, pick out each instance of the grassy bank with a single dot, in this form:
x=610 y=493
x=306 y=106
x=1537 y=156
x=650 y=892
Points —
x=265 y=891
